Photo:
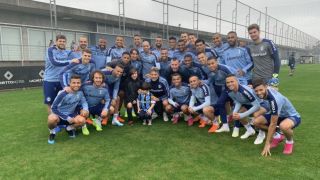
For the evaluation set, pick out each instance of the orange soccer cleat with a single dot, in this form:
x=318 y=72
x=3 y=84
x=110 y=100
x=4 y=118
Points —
x=104 y=121
x=213 y=128
x=89 y=121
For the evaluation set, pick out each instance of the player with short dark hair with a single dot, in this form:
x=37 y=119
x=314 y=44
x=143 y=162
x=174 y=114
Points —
x=282 y=114
x=64 y=110
x=99 y=54
x=116 y=51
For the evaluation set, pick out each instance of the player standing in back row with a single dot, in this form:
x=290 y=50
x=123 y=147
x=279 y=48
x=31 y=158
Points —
x=266 y=63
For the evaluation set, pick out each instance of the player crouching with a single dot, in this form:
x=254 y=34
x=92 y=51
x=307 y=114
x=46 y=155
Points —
x=64 y=109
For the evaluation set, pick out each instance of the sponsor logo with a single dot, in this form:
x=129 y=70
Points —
x=8 y=75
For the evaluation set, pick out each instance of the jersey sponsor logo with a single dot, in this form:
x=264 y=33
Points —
x=248 y=95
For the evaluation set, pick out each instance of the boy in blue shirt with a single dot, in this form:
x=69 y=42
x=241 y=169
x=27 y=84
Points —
x=145 y=104
x=64 y=109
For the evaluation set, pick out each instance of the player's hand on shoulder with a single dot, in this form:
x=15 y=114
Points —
x=75 y=60
x=67 y=89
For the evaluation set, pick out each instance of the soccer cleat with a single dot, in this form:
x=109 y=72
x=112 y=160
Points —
x=235 y=132
x=97 y=124
x=72 y=133
x=125 y=114
x=202 y=124
x=275 y=141
x=260 y=137
x=165 y=117
x=116 y=122
x=104 y=121
x=175 y=119
x=144 y=122
x=288 y=148
x=247 y=134
x=51 y=138
x=85 y=131
x=120 y=119
x=224 y=128
x=133 y=114
x=190 y=121
x=89 y=121
x=154 y=116
x=150 y=123
x=213 y=128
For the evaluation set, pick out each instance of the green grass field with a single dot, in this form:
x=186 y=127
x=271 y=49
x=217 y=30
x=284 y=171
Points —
x=163 y=151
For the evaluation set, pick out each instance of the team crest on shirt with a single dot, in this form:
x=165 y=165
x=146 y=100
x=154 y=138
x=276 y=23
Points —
x=100 y=91
x=159 y=86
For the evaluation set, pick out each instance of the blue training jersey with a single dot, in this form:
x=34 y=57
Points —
x=200 y=97
x=180 y=95
x=65 y=104
x=113 y=82
x=220 y=49
x=56 y=61
x=83 y=70
x=244 y=96
x=99 y=57
x=148 y=61
x=115 y=53
x=94 y=95
x=180 y=55
x=239 y=59
x=159 y=88
x=280 y=105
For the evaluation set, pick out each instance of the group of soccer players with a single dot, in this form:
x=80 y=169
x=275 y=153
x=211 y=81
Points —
x=213 y=86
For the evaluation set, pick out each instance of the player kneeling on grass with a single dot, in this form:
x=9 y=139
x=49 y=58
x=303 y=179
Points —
x=178 y=99
x=282 y=113
x=64 y=109
x=97 y=96
x=245 y=103
x=145 y=104
x=200 y=99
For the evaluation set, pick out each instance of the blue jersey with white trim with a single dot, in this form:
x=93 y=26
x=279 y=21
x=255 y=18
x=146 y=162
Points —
x=171 y=52
x=200 y=97
x=145 y=101
x=159 y=88
x=280 y=105
x=209 y=53
x=180 y=55
x=65 y=104
x=83 y=70
x=115 y=53
x=94 y=95
x=218 y=77
x=56 y=61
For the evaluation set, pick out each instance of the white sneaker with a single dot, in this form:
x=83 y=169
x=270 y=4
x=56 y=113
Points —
x=247 y=134
x=235 y=132
x=144 y=122
x=116 y=122
x=165 y=117
x=224 y=128
x=260 y=137
x=150 y=123
x=154 y=115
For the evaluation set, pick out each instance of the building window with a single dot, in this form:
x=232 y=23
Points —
x=37 y=44
x=11 y=44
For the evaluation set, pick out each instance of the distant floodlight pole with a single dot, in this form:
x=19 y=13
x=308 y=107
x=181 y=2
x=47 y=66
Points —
x=218 y=19
x=234 y=17
x=165 y=25
x=266 y=26
x=53 y=17
x=196 y=17
x=122 y=17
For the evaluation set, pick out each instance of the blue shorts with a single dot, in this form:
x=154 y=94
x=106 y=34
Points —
x=96 y=110
x=65 y=122
x=178 y=109
x=50 y=91
x=296 y=120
